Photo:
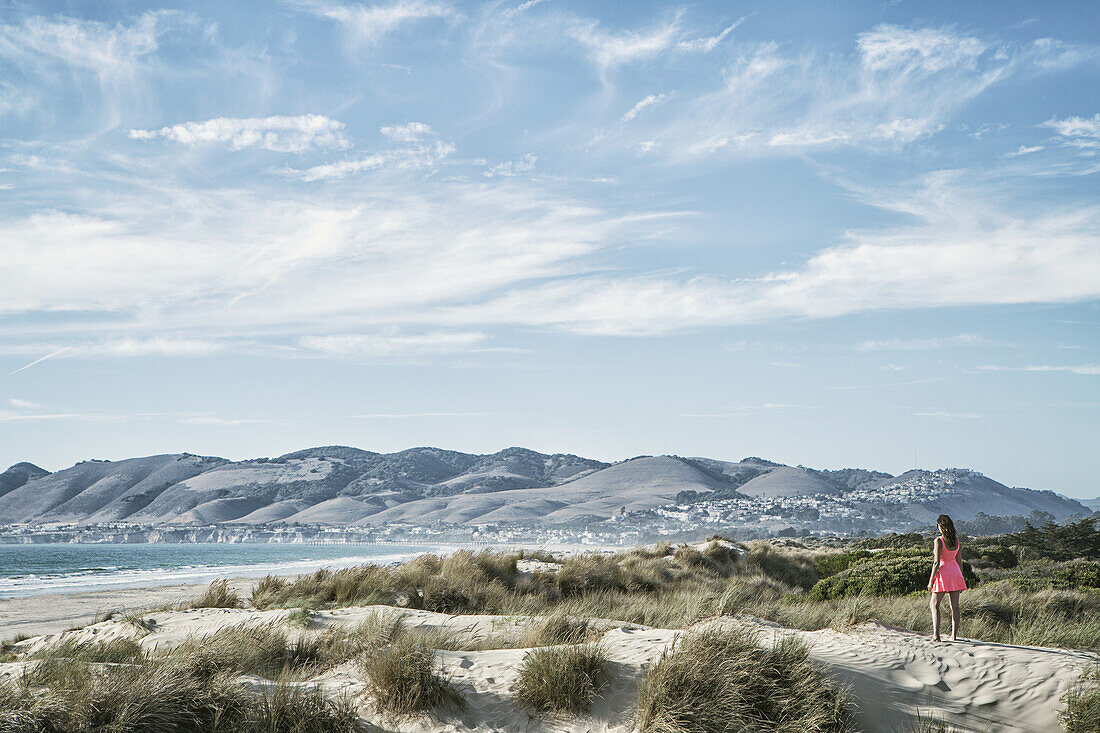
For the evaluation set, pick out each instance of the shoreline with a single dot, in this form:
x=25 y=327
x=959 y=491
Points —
x=51 y=612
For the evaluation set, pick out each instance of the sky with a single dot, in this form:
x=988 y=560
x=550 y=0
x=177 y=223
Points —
x=865 y=235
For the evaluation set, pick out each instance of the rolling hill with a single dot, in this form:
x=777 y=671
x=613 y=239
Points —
x=348 y=486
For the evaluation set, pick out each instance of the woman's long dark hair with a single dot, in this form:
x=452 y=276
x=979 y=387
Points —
x=947 y=528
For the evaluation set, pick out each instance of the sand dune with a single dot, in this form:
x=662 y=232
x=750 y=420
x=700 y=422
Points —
x=894 y=674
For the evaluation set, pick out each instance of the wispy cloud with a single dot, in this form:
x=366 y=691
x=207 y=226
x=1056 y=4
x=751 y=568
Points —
x=709 y=43
x=948 y=415
x=369 y=23
x=390 y=345
x=1024 y=150
x=741 y=410
x=1078 y=132
x=122 y=347
x=417 y=415
x=280 y=134
x=1082 y=369
x=961 y=339
x=611 y=50
x=648 y=101
x=901 y=85
x=526 y=164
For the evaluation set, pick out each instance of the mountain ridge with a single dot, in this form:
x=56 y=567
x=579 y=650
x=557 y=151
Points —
x=343 y=485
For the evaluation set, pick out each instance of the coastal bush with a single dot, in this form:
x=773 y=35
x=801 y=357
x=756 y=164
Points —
x=218 y=595
x=985 y=556
x=1082 y=701
x=886 y=573
x=403 y=679
x=720 y=679
x=1075 y=574
x=835 y=562
x=1056 y=541
x=561 y=679
x=895 y=541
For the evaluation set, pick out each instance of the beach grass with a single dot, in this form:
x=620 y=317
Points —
x=1082 y=701
x=561 y=680
x=161 y=695
x=403 y=679
x=217 y=595
x=722 y=679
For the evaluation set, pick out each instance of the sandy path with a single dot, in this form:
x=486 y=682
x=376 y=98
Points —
x=975 y=685
x=894 y=674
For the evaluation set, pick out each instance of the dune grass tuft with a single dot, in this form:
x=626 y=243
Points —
x=300 y=618
x=1082 y=713
x=288 y=709
x=116 y=651
x=558 y=628
x=719 y=679
x=263 y=650
x=161 y=695
x=562 y=679
x=218 y=595
x=403 y=678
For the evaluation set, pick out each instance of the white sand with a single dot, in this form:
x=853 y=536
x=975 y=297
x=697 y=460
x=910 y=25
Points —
x=894 y=674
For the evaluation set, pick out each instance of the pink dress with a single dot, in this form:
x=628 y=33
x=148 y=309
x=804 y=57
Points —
x=949 y=576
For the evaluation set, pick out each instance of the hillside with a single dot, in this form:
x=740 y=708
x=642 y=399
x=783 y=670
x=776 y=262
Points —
x=347 y=486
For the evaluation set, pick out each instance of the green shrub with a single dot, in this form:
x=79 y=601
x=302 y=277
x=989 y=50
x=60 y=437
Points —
x=561 y=679
x=995 y=556
x=833 y=563
x=1078 y=574
x=887 y=573
x=718 y=680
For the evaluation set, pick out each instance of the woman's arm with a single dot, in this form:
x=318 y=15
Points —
x=935 y=561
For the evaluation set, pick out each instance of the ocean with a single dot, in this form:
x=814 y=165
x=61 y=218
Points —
x=66 y=568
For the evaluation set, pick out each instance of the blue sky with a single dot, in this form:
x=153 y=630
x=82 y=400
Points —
x=858 y=237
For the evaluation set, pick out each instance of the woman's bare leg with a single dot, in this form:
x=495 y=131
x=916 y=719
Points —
x=956 y=614
x=934 y=606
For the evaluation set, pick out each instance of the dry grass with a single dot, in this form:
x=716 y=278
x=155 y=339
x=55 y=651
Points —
x=719 y=680
x=218 y=595
x=264 y=650
x=404 y=681
x=1082 y=713
x=558 y=628
x=562 y=679
x=161 y=696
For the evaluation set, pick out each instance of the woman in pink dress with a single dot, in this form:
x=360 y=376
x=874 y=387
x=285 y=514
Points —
x=947 y=578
